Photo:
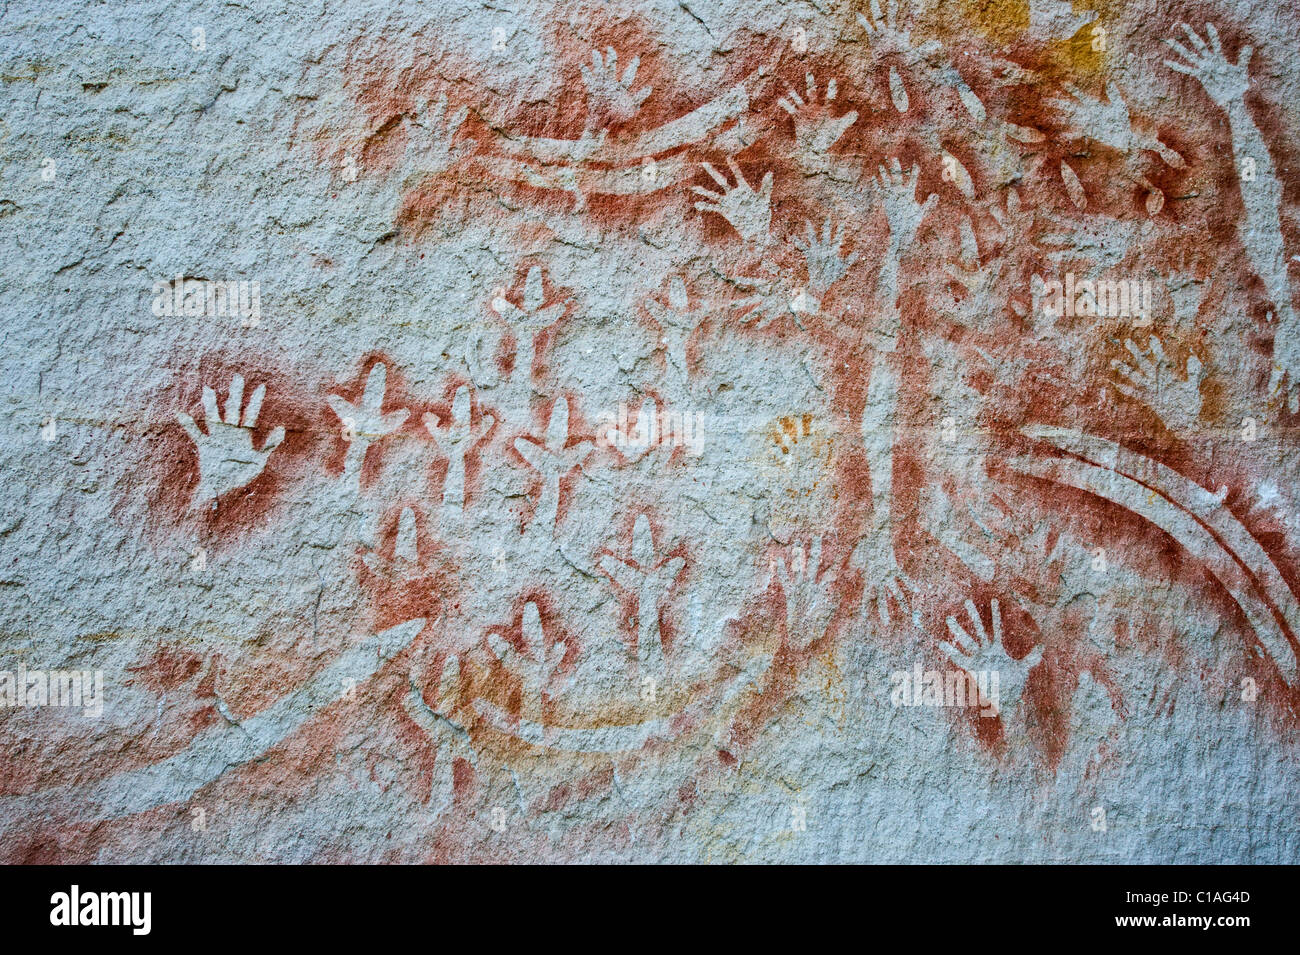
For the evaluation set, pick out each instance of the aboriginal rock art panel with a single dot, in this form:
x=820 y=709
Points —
x=726 y=433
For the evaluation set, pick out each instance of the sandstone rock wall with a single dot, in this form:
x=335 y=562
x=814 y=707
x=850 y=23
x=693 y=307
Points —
x=580 y=431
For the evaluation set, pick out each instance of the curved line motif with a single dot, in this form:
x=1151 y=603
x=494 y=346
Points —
x=608 y=739
x=210 y=754
x=562 y=163
x=685 y=129
x=1188 y=513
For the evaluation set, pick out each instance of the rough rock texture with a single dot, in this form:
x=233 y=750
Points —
x=637 y=419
